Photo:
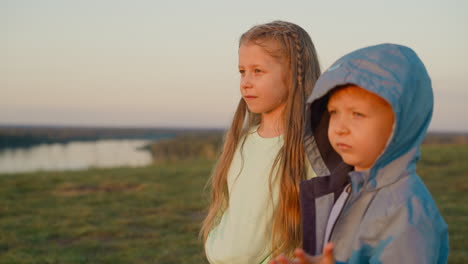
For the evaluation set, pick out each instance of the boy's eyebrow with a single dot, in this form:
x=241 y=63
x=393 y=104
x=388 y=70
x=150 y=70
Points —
x=329 y=104
x=332 y=105
x=353 y=108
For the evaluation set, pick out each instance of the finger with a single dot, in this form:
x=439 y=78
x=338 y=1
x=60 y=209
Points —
x=300 y=255
x=281 y=259
x=304 y=257
x=328 y=254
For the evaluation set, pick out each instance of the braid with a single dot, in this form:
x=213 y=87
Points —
x=289 y=34
x=298 y=61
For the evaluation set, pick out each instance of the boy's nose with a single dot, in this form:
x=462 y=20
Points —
x=340 y=127
x=341 y=130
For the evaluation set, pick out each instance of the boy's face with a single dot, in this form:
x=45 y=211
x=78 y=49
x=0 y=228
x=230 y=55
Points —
x=360 y=125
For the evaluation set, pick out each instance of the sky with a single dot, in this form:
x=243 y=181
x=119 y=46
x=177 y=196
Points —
x=174 y=63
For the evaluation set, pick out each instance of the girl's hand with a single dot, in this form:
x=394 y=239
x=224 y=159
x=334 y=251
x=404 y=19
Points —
x=303 y=258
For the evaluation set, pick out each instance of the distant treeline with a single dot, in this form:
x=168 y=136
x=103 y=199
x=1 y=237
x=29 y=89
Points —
x=446 y=138
x=208 y=146
x=28 y=136
x=186 y=147
x=169 y=143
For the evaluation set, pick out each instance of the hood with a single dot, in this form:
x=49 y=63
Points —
x=396 y=74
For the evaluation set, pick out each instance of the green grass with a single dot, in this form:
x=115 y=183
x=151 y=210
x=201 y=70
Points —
x=124 y=215
x=444 y=169
x=153 y=214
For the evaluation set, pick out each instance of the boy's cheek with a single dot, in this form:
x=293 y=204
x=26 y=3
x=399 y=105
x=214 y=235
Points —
x=330 y=134
x=331 y=140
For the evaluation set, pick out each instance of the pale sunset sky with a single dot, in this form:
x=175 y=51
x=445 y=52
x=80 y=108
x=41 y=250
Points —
x=174 y=63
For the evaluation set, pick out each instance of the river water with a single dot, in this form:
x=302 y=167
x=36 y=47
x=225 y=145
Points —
x=75 y=156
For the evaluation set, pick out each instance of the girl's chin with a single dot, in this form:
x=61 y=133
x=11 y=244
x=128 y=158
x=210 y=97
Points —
x=254 y=110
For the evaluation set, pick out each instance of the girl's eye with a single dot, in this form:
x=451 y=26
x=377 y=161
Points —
x=331 y=112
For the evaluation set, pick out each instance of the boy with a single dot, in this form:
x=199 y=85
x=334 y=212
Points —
x=368 y=115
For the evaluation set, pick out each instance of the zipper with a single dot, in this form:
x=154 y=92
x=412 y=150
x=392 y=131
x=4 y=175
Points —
x=341 y=211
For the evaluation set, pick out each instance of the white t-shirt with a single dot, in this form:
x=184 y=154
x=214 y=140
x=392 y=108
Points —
x=243 y=235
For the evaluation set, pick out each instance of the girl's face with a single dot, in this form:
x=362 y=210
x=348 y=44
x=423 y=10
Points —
x=262 y=83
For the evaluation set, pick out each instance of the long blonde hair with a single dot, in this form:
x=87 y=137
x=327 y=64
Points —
x=298 y=52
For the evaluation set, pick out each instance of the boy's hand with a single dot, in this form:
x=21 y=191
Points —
x=303 y=258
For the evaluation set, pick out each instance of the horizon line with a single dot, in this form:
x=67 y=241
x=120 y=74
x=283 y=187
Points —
x=164 y=127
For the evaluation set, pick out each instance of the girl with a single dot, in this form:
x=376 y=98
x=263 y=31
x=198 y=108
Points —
x=254 y=211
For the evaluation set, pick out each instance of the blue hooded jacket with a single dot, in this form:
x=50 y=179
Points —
x=389 y=215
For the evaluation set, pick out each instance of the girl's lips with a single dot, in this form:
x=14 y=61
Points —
x=249 y=97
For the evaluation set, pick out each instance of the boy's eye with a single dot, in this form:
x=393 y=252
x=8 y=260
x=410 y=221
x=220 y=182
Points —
x=257 y=70
x=241 y=71
x=357 y=114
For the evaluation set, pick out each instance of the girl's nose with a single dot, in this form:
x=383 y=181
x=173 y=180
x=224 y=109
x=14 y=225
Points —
x=246 y=81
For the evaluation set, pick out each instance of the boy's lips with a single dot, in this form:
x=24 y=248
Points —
x=343 y=146
x=247 y=97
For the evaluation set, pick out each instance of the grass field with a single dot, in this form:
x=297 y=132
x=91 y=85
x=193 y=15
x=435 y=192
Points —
x=152 y=214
